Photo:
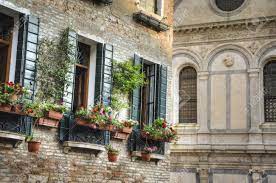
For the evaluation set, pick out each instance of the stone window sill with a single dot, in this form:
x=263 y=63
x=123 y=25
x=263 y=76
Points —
x=183 y=127
x=154 y=157
x=268 y=126
x=94 y=148
x=11 y=139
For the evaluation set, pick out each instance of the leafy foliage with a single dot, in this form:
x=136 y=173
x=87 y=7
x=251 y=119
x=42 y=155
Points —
x=111 y=150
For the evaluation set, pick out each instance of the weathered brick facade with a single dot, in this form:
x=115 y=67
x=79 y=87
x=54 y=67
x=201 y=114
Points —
x=111 y=24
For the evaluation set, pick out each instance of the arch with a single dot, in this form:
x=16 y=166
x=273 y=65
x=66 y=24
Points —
x=263 y=55
x=195 y=59
x=229 y=47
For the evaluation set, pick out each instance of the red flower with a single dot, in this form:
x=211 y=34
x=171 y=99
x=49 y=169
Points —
x=164 y=125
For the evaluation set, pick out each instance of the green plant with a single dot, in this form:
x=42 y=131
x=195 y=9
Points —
x=127 y=77
x=5 y=98
x=54 y=62
x=83 y=114
x=111 y=150
x=48 y=106
x=130 y=123
x=117 y=102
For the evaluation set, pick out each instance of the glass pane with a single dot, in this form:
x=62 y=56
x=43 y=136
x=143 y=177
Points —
x=32 y=37
x=30 y=56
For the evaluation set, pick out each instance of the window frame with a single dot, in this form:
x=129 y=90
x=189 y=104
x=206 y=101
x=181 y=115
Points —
x=195 y=80
x=159 y=8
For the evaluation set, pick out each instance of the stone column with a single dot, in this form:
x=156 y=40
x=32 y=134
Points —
x=203 y=133
x=255 y=136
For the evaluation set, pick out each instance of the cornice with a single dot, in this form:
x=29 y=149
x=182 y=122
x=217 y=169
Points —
x=225 y=24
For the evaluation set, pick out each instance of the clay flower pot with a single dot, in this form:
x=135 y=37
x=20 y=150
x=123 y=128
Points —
x=145 y=156
x=112 y=157
x=54 y=115
x=34 y=146
x=5 y=107
x=48 y=122
x=18 y=108
x=127 y=130
x=110 y=128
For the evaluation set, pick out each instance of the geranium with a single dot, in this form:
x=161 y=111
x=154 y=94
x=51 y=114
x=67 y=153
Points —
x=150 y=149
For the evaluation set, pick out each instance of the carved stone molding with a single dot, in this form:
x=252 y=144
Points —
x=228 y=61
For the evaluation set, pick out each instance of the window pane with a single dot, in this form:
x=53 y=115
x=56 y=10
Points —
x=270 y=92
x=188 y=95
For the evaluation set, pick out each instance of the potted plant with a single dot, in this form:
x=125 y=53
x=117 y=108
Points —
x=102 y=116
x=5 y=102
x=128 y=125
x=146 y=153
x=112 y=153
x=33 y=145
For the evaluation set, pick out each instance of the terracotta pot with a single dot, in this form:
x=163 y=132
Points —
x=48 y=122
x=102 y=126
x=82 y=122
x=34 y=146
x=55 y=115
x=145 y=156
x=127 y=130
x=112 y=157
x=5 y=107
x=120 y=135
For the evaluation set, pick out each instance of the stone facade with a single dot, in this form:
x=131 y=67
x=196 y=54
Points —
x=111 y=24
x=231 y=141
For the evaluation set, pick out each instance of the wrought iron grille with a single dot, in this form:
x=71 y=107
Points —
x=15 y=123
x=137 y=143
x=70 y=131
x=229 y=5
x=270 y=92
x=188 y=95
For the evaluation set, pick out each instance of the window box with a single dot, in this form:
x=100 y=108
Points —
x=150 y=21
x=120 y=135
x=76 y=134
x=153 y=156
x=48 y=122
x=13 y=128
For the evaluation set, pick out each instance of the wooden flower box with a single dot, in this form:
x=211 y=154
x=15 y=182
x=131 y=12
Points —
x=48 y=122
x=82 y=122
x=54 y=115
x=127 y=130
x=120 y=135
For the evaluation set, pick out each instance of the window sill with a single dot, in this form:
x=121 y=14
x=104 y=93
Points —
x=9 y=138
x=95 y=148
x=268 y=126
x=151 y=20
x=187 y=126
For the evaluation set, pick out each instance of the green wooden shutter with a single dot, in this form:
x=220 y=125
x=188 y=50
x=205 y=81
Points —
x=161 y=91
x=136 y=96
x=26 y=57
x=68 y=96
x=104 y=66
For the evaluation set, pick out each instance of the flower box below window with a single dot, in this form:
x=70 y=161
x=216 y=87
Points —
x=150 y=21
x=154 y=157
x=10 y=139
x=94 y=148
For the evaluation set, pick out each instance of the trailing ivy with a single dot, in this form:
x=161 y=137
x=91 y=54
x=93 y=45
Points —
x=54 y=62
x=126 y=78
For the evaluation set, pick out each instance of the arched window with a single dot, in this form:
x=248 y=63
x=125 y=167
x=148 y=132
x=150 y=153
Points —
x=188 y=95
x=270 y=91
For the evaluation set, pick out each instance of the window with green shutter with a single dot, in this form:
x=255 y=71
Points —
x=149 y=101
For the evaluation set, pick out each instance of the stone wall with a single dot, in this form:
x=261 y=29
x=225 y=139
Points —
x=231 y=141
x=108 y=24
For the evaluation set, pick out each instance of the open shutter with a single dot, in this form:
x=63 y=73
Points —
x=161 y=91
x=136 y=96
x=27 y=53
x=68 y=96
x=104 y=66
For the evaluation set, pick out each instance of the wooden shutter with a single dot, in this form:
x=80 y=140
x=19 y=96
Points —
x=136 y=96
x=27 y=53
x=68 y=96
x=161 y=91
x=104 y=66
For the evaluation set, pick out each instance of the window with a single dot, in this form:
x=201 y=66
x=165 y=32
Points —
x=270 y=91
x=229 y=5
x=149 y=5
x=6 y=26
x=82 y=76
x=148 y=94
x=188 y=95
